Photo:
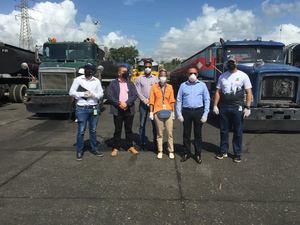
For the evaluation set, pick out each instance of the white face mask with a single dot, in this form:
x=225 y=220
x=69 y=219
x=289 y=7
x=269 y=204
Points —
x=147 y=70
x=163 y=80
x=192 y=78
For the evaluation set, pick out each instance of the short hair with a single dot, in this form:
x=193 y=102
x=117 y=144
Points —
x=194 y=68
x=147 y=61
x=122 y=66
x=162 y=70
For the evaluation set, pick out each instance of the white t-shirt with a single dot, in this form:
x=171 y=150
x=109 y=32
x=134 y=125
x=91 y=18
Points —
x=230 y=83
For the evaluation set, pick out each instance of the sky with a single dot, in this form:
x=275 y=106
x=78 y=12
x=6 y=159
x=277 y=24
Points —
x=162 y=29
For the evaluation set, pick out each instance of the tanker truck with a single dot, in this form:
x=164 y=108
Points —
x=276 y=86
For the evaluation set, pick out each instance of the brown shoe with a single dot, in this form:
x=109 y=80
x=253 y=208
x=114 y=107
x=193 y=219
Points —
x=114 y=152
x=133 y=150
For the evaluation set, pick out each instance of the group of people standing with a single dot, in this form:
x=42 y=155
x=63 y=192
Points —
x=158 y=103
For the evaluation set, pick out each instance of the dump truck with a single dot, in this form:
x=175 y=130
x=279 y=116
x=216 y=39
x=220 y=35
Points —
x=14 y=79
x=276 y=86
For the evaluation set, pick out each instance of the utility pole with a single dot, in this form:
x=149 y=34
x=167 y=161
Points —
x=25 y=31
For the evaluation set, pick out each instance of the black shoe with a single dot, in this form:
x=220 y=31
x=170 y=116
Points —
x=237 y=159
x=221 y=156
x=198 y=159
x=79 y=156
x=97 y=153
x=185 y=157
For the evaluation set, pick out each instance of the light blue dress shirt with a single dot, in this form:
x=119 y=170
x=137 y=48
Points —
x=193 y=95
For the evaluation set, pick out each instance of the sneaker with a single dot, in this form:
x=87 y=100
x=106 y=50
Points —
x=171 y=155
x=237 y=159
x=97 y=153
x=133 y=150
x=160 y=155
x=114 y=152
x=221 y=156
x=79 y=156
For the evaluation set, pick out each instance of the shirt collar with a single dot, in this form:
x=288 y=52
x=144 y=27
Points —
x=83 y=77
x=189 y=83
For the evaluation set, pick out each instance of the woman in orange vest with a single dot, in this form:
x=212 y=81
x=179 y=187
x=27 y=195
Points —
x=162 y=102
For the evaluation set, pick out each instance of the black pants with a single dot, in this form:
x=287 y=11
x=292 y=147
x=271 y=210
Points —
x=192 y=118
x=124 y=117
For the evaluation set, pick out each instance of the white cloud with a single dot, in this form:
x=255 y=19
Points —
x=229 y=23
x=280 y=9
x=115 y=40
x=57 y=20
x=286 y=33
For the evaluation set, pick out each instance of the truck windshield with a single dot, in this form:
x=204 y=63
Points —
x=68 y=52
x=255 y=53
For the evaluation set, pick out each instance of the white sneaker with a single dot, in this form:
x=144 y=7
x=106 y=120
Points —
x=225 y=155
x=171 y=155
x=160 y=155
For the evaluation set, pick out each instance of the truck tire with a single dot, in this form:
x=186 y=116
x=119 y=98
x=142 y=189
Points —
x=17 y=92
x=11 y=93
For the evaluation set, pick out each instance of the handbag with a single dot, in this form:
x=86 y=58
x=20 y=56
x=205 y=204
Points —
x=164 y=114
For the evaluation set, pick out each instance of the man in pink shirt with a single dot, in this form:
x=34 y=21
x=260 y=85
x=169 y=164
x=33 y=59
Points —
x=121 y=94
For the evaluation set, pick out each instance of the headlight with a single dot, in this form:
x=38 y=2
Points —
x=32 y=85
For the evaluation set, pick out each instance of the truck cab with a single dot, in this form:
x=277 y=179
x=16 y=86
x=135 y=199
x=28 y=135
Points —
x=60 y=64
x=292 y=55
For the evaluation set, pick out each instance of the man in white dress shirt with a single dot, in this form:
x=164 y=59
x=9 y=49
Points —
x=87 y=91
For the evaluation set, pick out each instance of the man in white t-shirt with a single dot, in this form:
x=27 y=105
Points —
x=229 y=95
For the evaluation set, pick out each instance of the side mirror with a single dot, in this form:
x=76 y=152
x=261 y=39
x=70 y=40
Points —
x=208 y=57
x=24 y=66
x=290 y=57
x=100 y=68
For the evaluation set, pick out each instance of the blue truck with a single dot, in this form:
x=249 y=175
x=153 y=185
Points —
x=276 y=85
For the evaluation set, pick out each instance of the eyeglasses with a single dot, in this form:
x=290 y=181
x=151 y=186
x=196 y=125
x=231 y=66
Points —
x=148 y=67
x=193 y=73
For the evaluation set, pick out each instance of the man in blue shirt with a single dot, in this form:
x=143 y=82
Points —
x=192 y=108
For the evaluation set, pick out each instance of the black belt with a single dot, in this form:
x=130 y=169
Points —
x=86 y=106
x=193 y=109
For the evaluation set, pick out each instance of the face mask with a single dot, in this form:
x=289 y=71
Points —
x=147 y=70
x=231 y=66
x=192 y=78
x=163 y=80
x=125 y=75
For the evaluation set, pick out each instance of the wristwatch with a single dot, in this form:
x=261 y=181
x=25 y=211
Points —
x=247 y=107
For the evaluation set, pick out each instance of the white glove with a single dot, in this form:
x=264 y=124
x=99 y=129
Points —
x=247 y=112
x=216 y=110
x=180 y=118
x=173 y=115
x=203 y=119
x=151 y=116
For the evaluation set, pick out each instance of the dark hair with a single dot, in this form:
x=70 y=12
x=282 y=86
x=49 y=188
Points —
x=162 y=70
x=147 y=61
x=122 y=66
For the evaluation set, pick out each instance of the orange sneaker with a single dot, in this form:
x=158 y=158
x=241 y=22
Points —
x=133 y=150
x=114 y=152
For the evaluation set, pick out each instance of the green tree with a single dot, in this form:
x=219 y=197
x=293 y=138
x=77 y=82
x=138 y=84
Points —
x=124 y=54
x=170 y=66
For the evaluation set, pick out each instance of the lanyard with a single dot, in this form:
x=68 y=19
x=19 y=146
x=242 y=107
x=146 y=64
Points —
x=163 y=91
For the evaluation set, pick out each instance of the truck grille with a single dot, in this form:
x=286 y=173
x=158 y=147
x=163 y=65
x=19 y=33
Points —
x=279 y=88
x=57 y=81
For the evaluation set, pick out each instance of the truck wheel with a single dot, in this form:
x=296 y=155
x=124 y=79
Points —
x=17 y=93
x=11 y=93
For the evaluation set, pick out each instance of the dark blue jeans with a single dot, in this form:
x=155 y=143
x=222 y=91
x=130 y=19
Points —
x=85 y=115
x=231 y=117
x=144 y=110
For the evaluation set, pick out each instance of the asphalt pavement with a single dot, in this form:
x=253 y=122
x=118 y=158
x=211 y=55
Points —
x=41 y=183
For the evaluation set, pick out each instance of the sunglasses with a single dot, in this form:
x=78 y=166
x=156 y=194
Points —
x=148 y=67
x=193 y=73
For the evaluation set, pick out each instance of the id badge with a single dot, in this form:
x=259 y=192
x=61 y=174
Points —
x=164 y=106
x=95 y=112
